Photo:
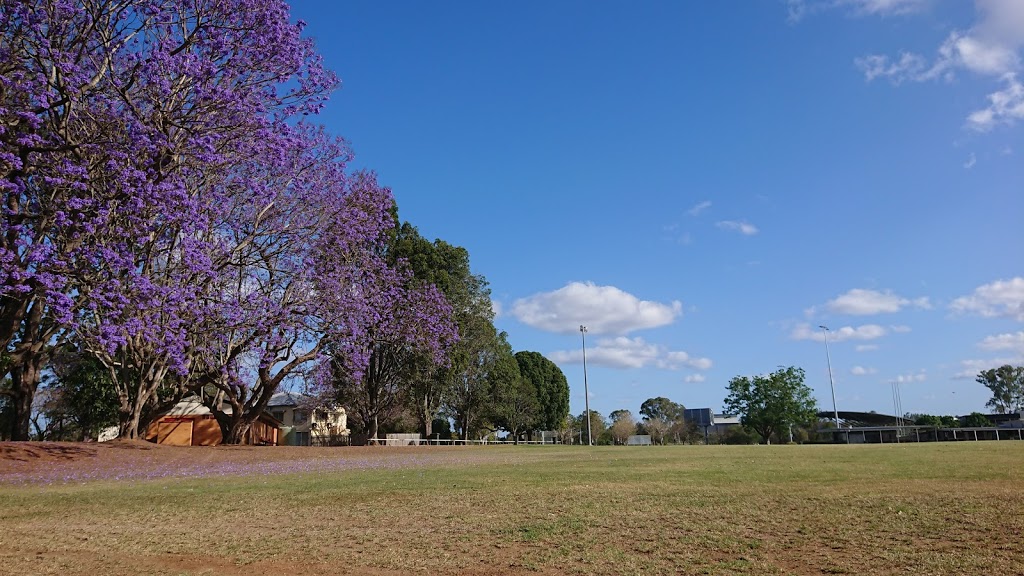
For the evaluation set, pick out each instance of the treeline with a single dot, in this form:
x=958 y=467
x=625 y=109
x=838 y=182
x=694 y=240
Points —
x=173 y=224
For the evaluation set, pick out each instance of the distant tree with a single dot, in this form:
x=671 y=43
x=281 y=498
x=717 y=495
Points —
x=469 y=401
x=769 y=404
x=739 y=435
x=615 y=415
x=662 y=409
x=597 y=425
x=977 y=420
x=515 y=406
x=441 y=428
x=657 y=429
x=660 y=416
x=686 y=431
x=551 y=385
x=83 y=397
x=949 y=421
x=623 y=426
x=927 y=420
x=1007 y=386
x=567 y=430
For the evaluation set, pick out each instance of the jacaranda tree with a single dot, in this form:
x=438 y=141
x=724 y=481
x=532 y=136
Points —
x=125 y=124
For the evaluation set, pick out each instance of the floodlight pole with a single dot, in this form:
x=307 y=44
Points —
x=586 y=390
x=828 y=358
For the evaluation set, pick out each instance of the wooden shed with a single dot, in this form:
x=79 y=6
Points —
x=190 y=423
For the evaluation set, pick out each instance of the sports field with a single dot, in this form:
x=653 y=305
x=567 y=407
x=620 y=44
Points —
x=877 y=509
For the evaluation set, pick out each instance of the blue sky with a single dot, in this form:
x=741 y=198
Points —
x=703 y=184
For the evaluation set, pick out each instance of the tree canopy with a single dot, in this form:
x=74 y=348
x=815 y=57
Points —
x=551 y=386
x=1007 y=386
x=768 y=404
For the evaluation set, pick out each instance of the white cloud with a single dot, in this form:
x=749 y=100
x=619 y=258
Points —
x=698 y=208
x=907 y=378
x=1004 y=107
x=739 y=226
x=885 y=7
x=860 y=302
x=970 y=368
x=602 y=309
x=1011 y=341
x=694 y=379
x=865 y=332
x=990 y=47
x=623 y=352
x=496 y=307
x=862 y=371
x=799 y=9
x=900 y=329
x=908 y=67
x=1002 y=298
x=971 y=161
x=866 y=347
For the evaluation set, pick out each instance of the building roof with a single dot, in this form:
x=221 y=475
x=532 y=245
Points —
x=287 y=399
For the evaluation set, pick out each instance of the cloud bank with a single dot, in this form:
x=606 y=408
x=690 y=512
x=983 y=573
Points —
x=602 y=309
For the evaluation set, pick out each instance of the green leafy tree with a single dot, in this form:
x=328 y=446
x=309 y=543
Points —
x=616 y=415
x=447 y=267
x=977 y=420
x=597 y=426
x=769 y=404
x=661 y=408
x=1007 y=386
x=83 y=395
x=515 y=406
x=661 y=417
x=739 y=435
x=623 y=426
x=469 y=401
x=551 y=385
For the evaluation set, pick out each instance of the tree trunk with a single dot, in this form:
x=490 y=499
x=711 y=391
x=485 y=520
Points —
x=371 y=432
x=426 y=418
x=238 y=431
x=25 y=374
x=129 y=425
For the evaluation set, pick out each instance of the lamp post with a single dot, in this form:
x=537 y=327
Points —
x=828 y=358
x=586 y=390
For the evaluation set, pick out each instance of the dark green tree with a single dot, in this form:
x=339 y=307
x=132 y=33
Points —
x=616 y=415
x=927 y=420
x=1007 y=386
x=83 y=394
x=469 y=400
x=977 y=420
x=770 y=404
x=514 y=407
x=597 y=426
x=447 y=267
x=551 y=385
x=661 y=415
x=661 y=408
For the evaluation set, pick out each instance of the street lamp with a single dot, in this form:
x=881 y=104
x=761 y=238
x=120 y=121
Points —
x=828 y=358
x=586 y=391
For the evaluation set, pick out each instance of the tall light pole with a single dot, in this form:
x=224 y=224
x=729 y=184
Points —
x=586 y=391
x=828 y=358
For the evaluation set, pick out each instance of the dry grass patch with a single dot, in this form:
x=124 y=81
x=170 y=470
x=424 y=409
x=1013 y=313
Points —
x=922 y=509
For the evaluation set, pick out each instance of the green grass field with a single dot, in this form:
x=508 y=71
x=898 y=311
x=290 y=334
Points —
x=877 y=509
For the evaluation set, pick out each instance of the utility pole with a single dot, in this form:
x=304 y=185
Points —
x=586 y=390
